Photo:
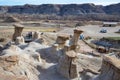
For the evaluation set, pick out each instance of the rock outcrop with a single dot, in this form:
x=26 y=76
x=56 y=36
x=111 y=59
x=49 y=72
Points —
x=12 y=77
x=36 y=35
x=7 y=62
x=70 y=9
x=17 y=62
x=67 y=65
x=19 y=40
x=61 y=40
x=110 y=69
x=17 y=31
x=76 y=36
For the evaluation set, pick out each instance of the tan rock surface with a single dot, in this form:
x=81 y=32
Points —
x=67 y=65
x=110 y=69
x=11 y=77
x=19 y=40
x=17 y=31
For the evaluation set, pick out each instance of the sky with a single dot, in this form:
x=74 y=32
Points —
x=38 y=2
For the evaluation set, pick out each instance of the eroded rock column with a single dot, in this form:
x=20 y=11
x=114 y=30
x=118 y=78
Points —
x=68 y=66
x=74 y=41
x=17 y=31
x=76 y=36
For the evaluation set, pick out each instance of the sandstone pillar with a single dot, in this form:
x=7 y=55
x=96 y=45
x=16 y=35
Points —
x=17 y=31
x=67 y=65
x=76 y=36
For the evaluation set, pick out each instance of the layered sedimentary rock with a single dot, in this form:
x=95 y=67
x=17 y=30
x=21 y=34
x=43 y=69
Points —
x=110 y=69
x=12 y=77
x=18 y=62
x=17 y=31
x=7 y=62
x=76 y=36
x=67 y=65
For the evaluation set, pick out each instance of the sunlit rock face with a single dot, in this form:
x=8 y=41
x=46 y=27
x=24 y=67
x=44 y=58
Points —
x=76 y=35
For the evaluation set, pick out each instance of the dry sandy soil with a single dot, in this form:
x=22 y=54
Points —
x=94 y=31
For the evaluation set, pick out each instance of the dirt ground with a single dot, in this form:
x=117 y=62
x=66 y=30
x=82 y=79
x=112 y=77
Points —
x=94 y=31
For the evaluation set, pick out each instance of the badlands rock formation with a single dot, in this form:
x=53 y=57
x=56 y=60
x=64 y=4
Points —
x=110 y=69
x=37 y=60
x=17 y=31
x=67 y=65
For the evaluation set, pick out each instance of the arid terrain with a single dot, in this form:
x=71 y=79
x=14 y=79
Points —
x=55 y=52
x=61 y=46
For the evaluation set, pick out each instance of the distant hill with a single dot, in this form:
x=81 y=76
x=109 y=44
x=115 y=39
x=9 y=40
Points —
x=64 y=9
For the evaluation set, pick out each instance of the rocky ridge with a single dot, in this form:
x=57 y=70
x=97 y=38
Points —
x=63 y=9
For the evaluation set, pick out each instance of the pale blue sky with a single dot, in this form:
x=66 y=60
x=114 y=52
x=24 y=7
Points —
x=22 y=2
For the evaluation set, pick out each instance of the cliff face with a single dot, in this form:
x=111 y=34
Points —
x=69 y=9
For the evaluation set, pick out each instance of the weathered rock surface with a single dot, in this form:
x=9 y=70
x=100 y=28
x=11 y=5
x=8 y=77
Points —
x=12 y=77
x=61 y=40
x=36 y=61
x=19 y=40
x=110 y=69
x=17 y=31
x=36 y=35
x=20 y=62
x=7 y=62
x=67 y=66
